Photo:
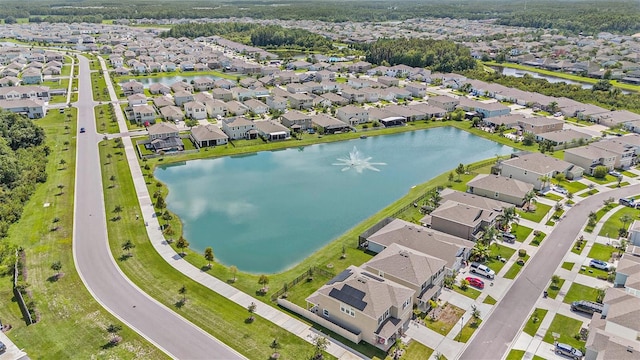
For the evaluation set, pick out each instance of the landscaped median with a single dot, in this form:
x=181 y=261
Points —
x=213 y=313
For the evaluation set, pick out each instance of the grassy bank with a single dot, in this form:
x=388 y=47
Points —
x=72 y=323
x=206 y=309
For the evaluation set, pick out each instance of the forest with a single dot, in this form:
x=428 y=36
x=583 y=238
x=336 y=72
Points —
x=602 y=94
x=23 y=160
x=271 y=36
x=437 y=55
x=569 y=16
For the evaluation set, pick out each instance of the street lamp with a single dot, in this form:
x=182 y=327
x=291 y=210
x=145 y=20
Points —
x=461 y=327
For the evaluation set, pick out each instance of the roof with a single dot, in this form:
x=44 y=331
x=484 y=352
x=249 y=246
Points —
x=295 y=115
x=501 y=184
x=207 y=132
x=407 y=264
x=463 y=214
x=564 y=136
x=238 y=121
x=326 y=121
x=271 y=127
x=590 y=152
x=473 y=200
x=624 y=309
x=538 y=163
x=162 y=128
x=540 y=121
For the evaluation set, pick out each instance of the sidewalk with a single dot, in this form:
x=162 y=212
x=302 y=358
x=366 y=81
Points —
x=157 y=239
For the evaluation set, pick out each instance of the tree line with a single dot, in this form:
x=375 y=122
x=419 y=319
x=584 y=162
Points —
x=23 y=160
x=437 y=55
x=587 y=16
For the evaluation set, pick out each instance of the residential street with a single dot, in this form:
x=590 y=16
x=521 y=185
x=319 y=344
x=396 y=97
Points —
x=160 y=325
x=502 y=327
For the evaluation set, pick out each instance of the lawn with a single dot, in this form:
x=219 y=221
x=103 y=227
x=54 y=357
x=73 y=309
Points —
x=580 y=292
x=469 y=328
x=521 y=232
x=607 y=179
x=589 y=193
x=515 y=268
x=553 y=290
x=106 y=121
x=601 y=252
x=536 y=318
x=489 y=300
x=515 y=355
x=615 y=186
x=551 y=196
x=573 y=186
x=599 y=214
x=206 y=309
x=499 y=251
x=613 y=224
x=415 y=351
x=72 y=323
x=446 y=320
x=568 y=265
x=535 y=216
x=593 y=272
x=566 y=327
x=629 y=174
x=99 y=86
x=469 y=292
x=538 y=239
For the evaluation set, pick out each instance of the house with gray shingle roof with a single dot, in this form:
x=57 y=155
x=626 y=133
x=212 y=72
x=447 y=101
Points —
x=532 y=168
x=208 y=135
x=500 y=188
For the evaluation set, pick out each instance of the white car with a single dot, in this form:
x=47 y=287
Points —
x=599 y=264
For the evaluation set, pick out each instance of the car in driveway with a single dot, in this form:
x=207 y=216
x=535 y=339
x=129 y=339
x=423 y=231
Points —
x=588 y=307
x=475 y=282
x=568 y=350
x=599 y=264
x=483 y=270
x=561 y=190
x=614 y=173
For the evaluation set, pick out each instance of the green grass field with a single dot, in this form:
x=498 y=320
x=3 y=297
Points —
x=521 y=232
x=536 y=216
x=537 y=240
x=515 y=268
x=489 y=300
x=468 y=292
x=534 y=321
x=580 y=292
x=72 y=323
x=515 y=355
x=601 y=252
x=553 y=290
x=567 y=327
x=105 y=120
x=568 y=265
x=614 y=224
x=467 y=331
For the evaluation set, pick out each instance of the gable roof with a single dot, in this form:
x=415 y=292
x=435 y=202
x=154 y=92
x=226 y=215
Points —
x=538 y=163
x=501 y=184
x=162 y=128
x=407 y=264
x=207 y=132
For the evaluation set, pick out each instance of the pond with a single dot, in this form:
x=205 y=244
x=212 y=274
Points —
x=549 y=78
x=267 y=211
x=168 y=80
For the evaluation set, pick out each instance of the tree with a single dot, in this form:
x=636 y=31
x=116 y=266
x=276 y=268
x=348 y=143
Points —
x=114 y=329
x=320 y=344
x=475 y=313
x=208 y=255
x=600 y=172
x=434 y=198
x=600 y=293
x=460 y=171
x=183 y=291
x=480 y=252
x=555 y=280
x=560 y=177
x=62 y=163
x=109 y=156
x=182 y=244
x=449 y=280
x=507 y=217
x=625 y=219
x=117 y=209
x=160 y=204
x=127 y=246
x=489 y=235
x=450 y=177
x=251 y=309
x=553 y=107
x=528 y=139
x=191 y=123
x=233 y=270
x=544 y=180
x=112 y=178
x=263 y=280
x=464 y=284
x=56 y=266
x=530 y=199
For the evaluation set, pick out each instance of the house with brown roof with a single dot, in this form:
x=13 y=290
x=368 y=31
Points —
x=300 y=101
x=353 y=115
x=208 y=135
x=272 y=130
x=142 y=114
x=239 y=128
x=532 y=168
x=162 y=130
x=300 y=120
x=625 y=153
x=370 y=307
x=132 y=87
x=195 y=110
x=539 y=125
x=444 y=102
x=461 y=220
x=590 y=157
x=500 y=188
x=328 y=124
x=31 y=108
x=171 y=113
x=564 y=138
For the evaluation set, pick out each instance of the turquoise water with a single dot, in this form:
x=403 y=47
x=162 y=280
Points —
x=267 y=211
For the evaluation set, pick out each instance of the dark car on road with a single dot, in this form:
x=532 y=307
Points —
x=475 y=282
x=82 y=130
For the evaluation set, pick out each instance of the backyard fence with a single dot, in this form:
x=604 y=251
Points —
x=307 y=274
x=18 y=295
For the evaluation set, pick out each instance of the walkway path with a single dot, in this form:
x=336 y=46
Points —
x=165 y=250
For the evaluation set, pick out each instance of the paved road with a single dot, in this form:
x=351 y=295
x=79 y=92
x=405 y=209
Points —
x=501 y=328
x=173 y=334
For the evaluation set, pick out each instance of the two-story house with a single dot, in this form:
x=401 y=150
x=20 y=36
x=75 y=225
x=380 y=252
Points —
x=239 y=128
x=589 y=157
x=353 y=115
x=538 y=169
x=300 y=120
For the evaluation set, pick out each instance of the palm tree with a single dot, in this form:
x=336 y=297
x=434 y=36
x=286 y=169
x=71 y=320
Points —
x=555 y=280
x=489 y=235
x=530 y=199
x=475 y=313
x=208 y=255
x=320 y=344
x=544 y=179
x=507 y=217
x=626 y=218
x=480 y=252
x=127 y=246
x=117 y=209
x=435 y=198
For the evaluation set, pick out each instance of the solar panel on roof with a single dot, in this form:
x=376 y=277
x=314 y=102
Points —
x=372 y=276
x=350 y=296
x=340 y=277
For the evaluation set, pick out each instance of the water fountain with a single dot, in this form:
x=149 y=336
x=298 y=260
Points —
x=358 y=162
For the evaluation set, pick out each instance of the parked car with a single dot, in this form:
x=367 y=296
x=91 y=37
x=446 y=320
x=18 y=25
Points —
x=508 y=237
x=599 y=264
x=568 y=350
x=614 y=173
x=475 y=282
x=3 y=347
x=628 y=202
x=483 y=270
x=588 y=307
x=561 y=190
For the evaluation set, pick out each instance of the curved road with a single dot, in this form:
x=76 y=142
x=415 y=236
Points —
x=502 y=326
x=173 y=334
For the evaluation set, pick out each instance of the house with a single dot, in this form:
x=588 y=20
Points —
x=277 y=103
x=162 y=130
x=132 y=87
x=417 y=89
x=452 y=249
x=137 y=99
x=242 y=94
x=628 y=271
x=167 y=144
x=182 y=96
x=589 y=157
x=539 y=125
x=171 y=113
x=272 y=130
x=32 y=92
x=222 y=94
x=625 y=153
x=353 y=115
x=388 y=81
x=566 y=137
x=372 y=308
x=353 y=95
x=500 y=188
x=202 y=83
x=300 y=120
x=422 y=273
x=9 y=81
x=239 y=128
x=143 y=114
x=634 y=233
x=335 y=99
x=300 y=101
x=461 y=220
x=31 y=76
x=159 y=88
x=444 y=102
x=179 y=86
x=195 y=110
x=538 y=169
x=236 y=108
x=31 y=108
x=162 y=101
x=208 y=135
x=215 y=108
x=359 y=67
x=328 y=124
x=429 y=111
x=256 y=106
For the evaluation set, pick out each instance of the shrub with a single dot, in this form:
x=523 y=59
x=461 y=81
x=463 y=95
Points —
x=522 y=253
